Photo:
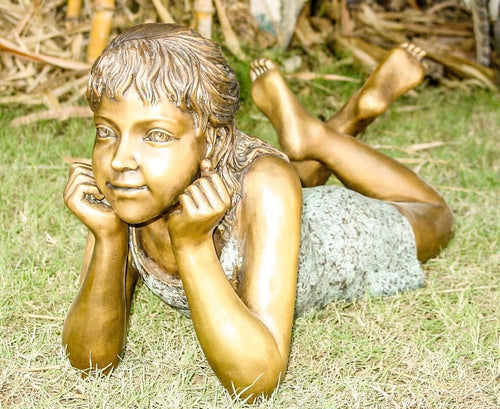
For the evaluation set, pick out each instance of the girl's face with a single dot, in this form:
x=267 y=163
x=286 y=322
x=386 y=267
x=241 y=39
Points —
x=144 y=156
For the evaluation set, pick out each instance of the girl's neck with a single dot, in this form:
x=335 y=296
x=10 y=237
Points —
x=155 y=241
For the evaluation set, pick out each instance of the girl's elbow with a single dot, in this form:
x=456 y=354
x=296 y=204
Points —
x=89 y=362
x=256 y=383
x=438 y=232
x=90 y=357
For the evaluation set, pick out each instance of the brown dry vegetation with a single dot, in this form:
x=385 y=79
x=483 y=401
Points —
x=45 y=53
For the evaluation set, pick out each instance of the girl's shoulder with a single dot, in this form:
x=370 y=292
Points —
x=269 y=170
x=259 y=177
x=265 y=166
x=248 y=148
x=270 y=191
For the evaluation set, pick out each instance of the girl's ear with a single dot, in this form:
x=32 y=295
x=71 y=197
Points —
x=209 y=137
x=209 y=142
x=216 y=141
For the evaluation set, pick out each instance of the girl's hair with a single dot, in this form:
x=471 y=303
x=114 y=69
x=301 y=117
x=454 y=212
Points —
x=171 y=62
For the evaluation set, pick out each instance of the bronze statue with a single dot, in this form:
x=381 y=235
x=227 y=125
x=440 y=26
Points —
x=216 y=222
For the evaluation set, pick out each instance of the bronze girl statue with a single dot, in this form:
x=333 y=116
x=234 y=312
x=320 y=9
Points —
x=216 y=222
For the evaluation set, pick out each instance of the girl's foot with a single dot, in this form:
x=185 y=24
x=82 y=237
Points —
x=297 y=130
x=400 y=72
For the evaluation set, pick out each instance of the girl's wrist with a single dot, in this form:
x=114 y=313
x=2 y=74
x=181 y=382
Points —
x=116 y=234
x=192 y=250
x=116 y=240
x=186 y=243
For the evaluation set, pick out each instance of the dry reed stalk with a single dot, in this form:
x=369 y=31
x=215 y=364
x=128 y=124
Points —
x=366 y=53
x=309 y=76
x=162 y=11
x=40 y=78
x=31 y=34
x=448 y=42
x=42 y=368
x=203 y=12
x=346 y=24
x=385 y=29
x=24 y=20
x=417 y=147
x=101 y=28
x=11 y=14
x=22 y=99
x=69 y=85
x=463 y=68
x=305 y=32
x=58 y=114
x=11 y=48
x=230 y=37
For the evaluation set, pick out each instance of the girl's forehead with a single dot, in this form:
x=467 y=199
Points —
x=131 y=108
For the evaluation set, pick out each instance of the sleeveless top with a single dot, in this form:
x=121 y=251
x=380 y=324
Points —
x=350 y=245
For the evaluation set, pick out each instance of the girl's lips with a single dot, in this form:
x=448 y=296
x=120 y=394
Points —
x=126 y=188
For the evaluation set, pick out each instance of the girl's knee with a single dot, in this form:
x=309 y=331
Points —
x=432 y=224
x=436 y=231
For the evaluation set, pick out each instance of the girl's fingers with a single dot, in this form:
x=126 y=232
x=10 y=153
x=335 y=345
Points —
x=198 y=195
x=209 y=192
x=187 y=203
x=218 y=185
x=203 y=196
x=221 y=188
x=205 y=167
x=80 y=166
x=81 y=187
x=214 y=190
x=87 y=192
x=76 y=179
x=77 y=169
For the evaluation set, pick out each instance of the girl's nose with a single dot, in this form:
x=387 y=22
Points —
x=125 y=157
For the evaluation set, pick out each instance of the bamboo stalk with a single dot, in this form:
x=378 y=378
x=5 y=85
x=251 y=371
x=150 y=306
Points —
x=101 y=28
x=73 y=9
x=203 y=12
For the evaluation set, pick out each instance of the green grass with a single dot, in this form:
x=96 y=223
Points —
x=438 y=347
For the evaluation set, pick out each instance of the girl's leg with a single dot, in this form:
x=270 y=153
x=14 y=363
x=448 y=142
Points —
x=359 y=167
x=398 y=73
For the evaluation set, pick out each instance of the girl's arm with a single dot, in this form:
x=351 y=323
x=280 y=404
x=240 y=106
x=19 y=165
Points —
x=96 y=323
x=245 y=336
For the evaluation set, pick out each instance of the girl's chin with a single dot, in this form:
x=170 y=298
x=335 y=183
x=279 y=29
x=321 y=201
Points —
x=139 y=218
x=136 y=217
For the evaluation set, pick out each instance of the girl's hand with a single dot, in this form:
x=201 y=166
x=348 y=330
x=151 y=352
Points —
x=84 y=199
x=202 y=206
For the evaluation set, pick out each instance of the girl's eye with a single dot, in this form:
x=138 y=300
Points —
x=104 y=132
x=158 y=136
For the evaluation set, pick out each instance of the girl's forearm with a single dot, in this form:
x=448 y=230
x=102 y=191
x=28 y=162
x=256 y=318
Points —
x=239 y=347
x=95 y=326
